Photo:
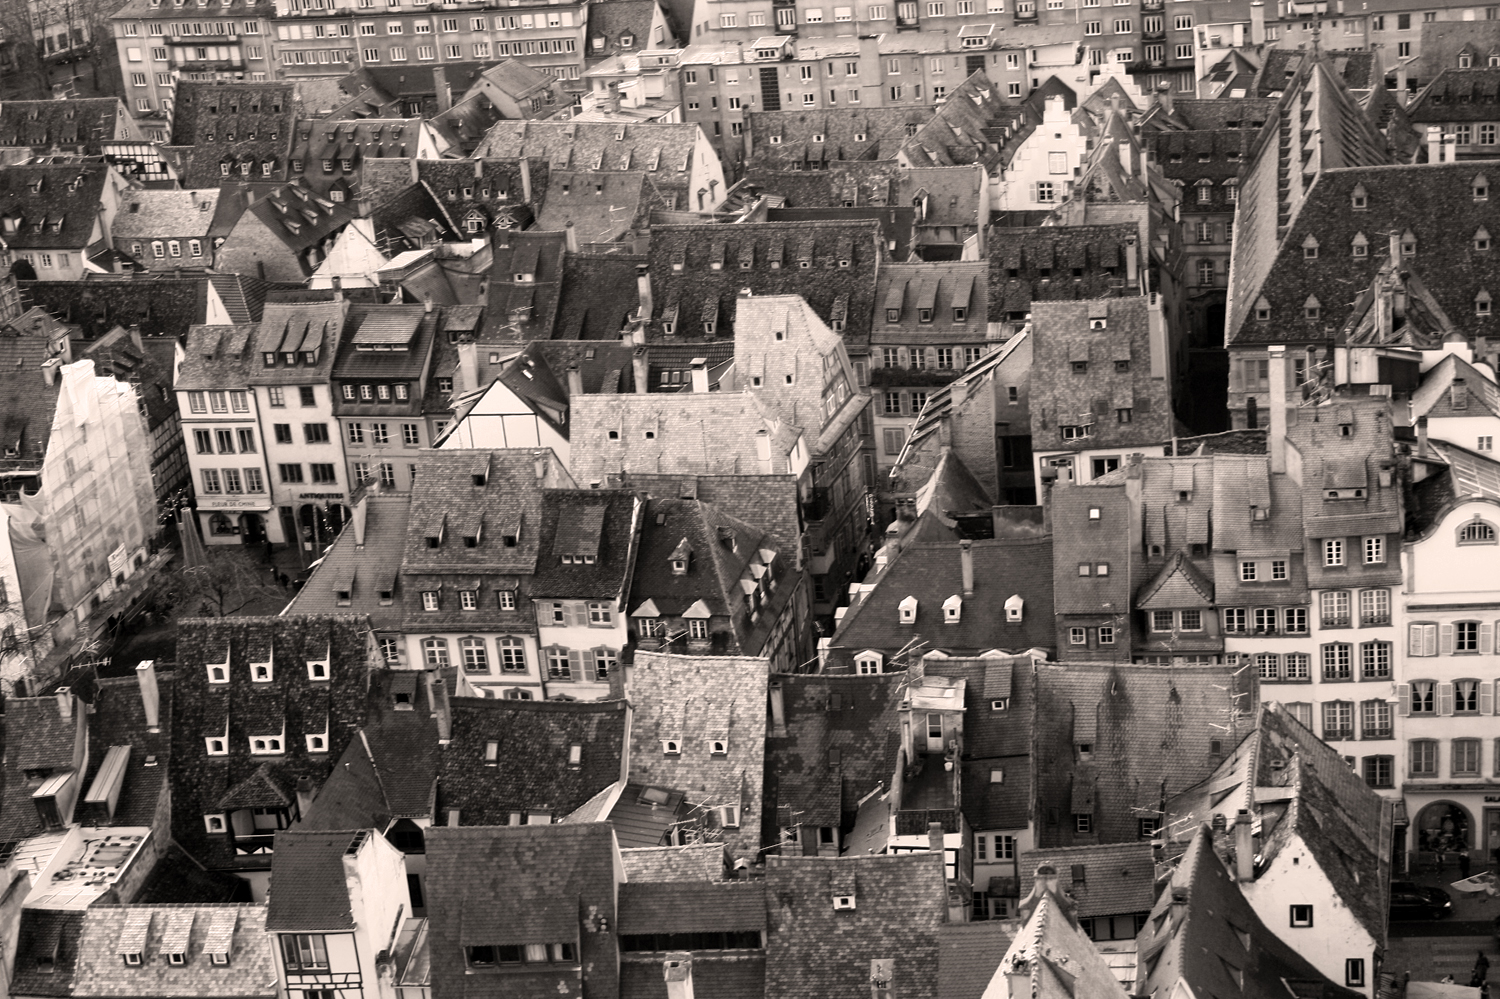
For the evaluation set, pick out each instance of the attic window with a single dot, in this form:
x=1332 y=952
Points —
x=1482 y=303
x=843 y=903
x=1409 y=244
x=1013 y=608
x=1312 y=308
x=775 y=140
x=1481 y=188
x=492 y=752
x=1310 y=248
x=1482 y=238
x=1359 y=200
x=907 y=610
x=718 y=747
x=1359 y=246
x=671 y=747
x=176 y=960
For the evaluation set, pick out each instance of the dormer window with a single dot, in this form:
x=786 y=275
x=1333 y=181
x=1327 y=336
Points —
x=1482 y=303
x=907 y=610
x=265 y=745
x=215 y=746
x=575 y=756
x=1359 y=199
x=671 y=747
x=1262 y=310
x=1408 y=244
x=214 y=825
x=718 y=747
x=869 y=663
x=1481 y=239
x=1359 y=246
x=952 y=609
x=219 y=672
x=843 y=903
x=1013 y=608
x=1310 y=248
x=1480 y=187
x=1312 y=308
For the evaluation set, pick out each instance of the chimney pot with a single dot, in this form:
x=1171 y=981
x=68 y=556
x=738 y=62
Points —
x=1244 y=847
x=570 y=236
x=575 y=381
x=641 y=370
x=145 y=675
x=699 y=366
x=966 y=562
x=64 y=702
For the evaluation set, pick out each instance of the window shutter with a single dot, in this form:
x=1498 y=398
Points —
x=1486 y=698
x=1445 y=639
x=1403 y=699
x=575 y=663
x=1189 y=233
x=1429 y=639
x=1414 y=640
x=1445 y=698
x=578 y=614
x=1236 y=375
x=1486 y=638
x=1033 y=192
x=1219 y=235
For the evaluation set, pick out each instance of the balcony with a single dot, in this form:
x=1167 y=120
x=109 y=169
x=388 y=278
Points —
x=1153 y=33
x=1150 y=5
x=1336 y=622
x=908 y=23
x=1337 y=734
x=1374 y=620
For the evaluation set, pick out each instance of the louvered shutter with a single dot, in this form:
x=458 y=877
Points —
x=1403 y=699
x=1414 y=640
x=1486 y=638
x=1445 y=639
x=1445 y=698
x=575 y=663
x=1486 y=698
x=1429 y=639
x=1236 y=375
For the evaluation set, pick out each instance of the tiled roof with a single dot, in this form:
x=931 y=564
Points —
x=488 y=886
x=694 y=700
x=190 y=930
x=1116 y=878
x=994 y=740
x=663 y=151
x=46 y=958
x=1151 y=729
x=678 y=907
x=865 y=183
x=896 y=223
x=931 y=572
x=119 y=719
x=147 y=364
x=1358 y=69
x=1434 y=397
x=200 y=709
x=204 y=116
x=611 y=19
x=1217 y=944
x=460 y=185
x=813 y=950
x=938 y=287
x=656 y=864
x=300 y=218
x=311 y=892
x=1244 y=113
x=165 y=214
x=366 y=570
x=602 y=207
x=55 y=205
x=598 y=295
x=971 y=126
x=1472 y=474
x=767 y=501
x=951 y=196
x=739 y=977
x=27 y=402
x=779 y=138
x=1052 y=951
x=968 y=954
x=160 y=304
x=412 y=219
x=352 y=141
x=38 y=738
x=384 y=340
x=531 y=771
x=689 y=434
x=769 y=258
x=83 y=123
x=523 y=310
x=597 y=522
x=807 y=782
x=1057 y=263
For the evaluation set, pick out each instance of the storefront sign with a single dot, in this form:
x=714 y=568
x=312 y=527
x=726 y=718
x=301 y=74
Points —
x=233 y=504
x=320 y=496
x=1490 y=799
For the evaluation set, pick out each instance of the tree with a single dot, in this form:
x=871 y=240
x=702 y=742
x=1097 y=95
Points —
x=226 y=583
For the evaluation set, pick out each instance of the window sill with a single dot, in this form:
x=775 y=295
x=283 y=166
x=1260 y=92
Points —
x=1281 y=680
x=1378 y=737
x=1338 y=679
x=540 y=967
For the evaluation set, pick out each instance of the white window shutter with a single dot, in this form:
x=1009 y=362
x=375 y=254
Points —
x=575 y=661
x=1236 y=375
x=1486 y=638
x=1445 y=639
x=1445 y=698
x=1414 y=640
x=1429 y=639
x=1486 y=698
x=1403 y=699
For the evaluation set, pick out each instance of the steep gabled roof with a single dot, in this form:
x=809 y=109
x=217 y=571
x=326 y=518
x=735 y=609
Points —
x=55 y=205
x=311 y=891
x=82 y=124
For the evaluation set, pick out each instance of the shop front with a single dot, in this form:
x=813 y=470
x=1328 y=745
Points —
x=1448 y=820
x=229 y=520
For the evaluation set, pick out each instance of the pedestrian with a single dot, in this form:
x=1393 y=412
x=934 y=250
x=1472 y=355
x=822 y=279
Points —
x=283 y=579
x=1481 y=967
x=1463 y=862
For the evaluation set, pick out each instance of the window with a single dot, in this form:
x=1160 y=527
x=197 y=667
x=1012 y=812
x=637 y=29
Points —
x=1379 y=771
x=1354 y=967
x=1334 y=605
x=559 y=665
x=1374 y=607
x=277 y=397
x=1477 y=532
x=476 y=658
x=1078 y=636
x=1302 y=915
x=1338 y=661
x=315 y=433
x=1294 y=620
x=1083 y=823
x=1333 y=551
x=1466 y=636
x=1338 y=720
x=290 y=473
x=1296 y=665
x=304 y=952
x=1424 y=757
x=1234 y=619
x=1465 y=761
x=1374 y=550
x=211 y=480
x=434 y=650
x=1375 y=661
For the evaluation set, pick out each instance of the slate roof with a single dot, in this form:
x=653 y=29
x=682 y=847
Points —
x=739 y=977
x=450 y=179
x=691 y=434
x=769 y=258
x=612 y=18
x=46 y=959
x=165 y=214
x=81 y=123
x=27 y=403
x=204 y=115
x=900 y=905
x=412 y=219
x=828 y=135
x=658 y=864
x=1151 y=729
x=896 y=223
x=940 y=287
x=160 y=304
x=767 y=501
x=866 y=183
x=311 y=891
x=1358 y=69
x=1215 y=943
x=856 y=715
x=372 y=568
x=355 y=141
x=1057 y=263
x=522 y=885
x=531 y=771
x=509 y=504
x=679 y=907
x=250 y=972
x=951 y=195
x=1117 y=878
x=972 y=126
x=994 y=740
x=602 y=207
x=598 y=296
x=120 y=720
x=582 y=521
x=931 y=572
x=334 y=707
x=1052 y=951
x=518 y=311
x=61 y=213
x=662 y=152
x=696 y=699
x=1198 y=115
x=38 y=739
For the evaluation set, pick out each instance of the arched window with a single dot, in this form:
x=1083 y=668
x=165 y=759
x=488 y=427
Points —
x=1476 y=532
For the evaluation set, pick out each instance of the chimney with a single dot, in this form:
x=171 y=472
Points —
x=361 y=512
x=468 y=366
x=643 y=288
x=1257 y=22
x=1394 y=241
x=1132 y=265
x=525 y=180
x=575 y=381
x=1422 y=449
x=935 y=838
x=145 y=675
x=966 y=561
x=1239 y=36
x=1402 y=94
x=1244 y=847
x=427 y=304
x=64 y=697
x=437 y=703
x=699 y=367
x=570 y=236
x=614 y=97
x=306 y=792
x=416 y=174
x=1434 y=146
x=540 y=465
x=1450 y=147
x=678 y=971
x=642 y=372
x=763 y=450
x=1276 y=441
x=440 y=84
x=1164 y=97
